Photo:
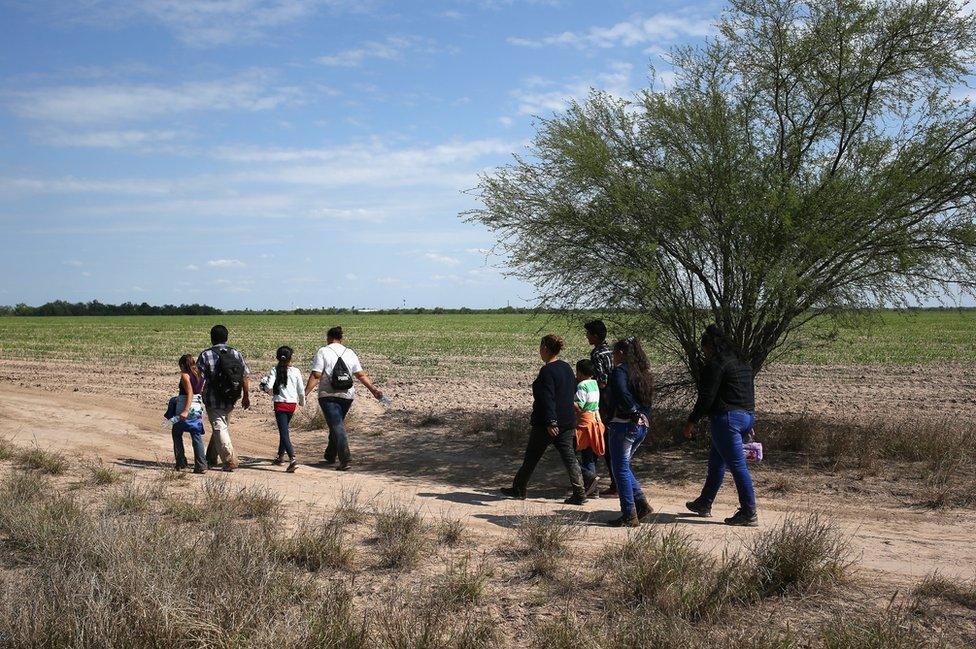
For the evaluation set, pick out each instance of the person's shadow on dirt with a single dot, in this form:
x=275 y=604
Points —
x=465 y=497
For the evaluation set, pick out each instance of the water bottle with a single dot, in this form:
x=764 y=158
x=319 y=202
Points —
x=386 y=401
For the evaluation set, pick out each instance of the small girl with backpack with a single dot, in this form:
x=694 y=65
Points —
x=286 y=385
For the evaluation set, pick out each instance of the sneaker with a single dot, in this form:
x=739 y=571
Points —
x=511 y=493
x=292 y=466
x=575 y=499
x=591 y=485
x=625 y=521
x=278 y=461
x=199 y=470
x=228 y=468
x=343 y=466
x=700 y=507
x=743 y=518
x=328 y=460
x=609 y=492
x=643 y=510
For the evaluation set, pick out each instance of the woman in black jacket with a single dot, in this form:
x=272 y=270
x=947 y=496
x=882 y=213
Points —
x=553 y=421
x=726 y=394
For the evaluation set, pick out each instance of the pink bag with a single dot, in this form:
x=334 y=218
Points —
x=753 y=451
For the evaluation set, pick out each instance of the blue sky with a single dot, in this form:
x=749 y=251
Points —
x=285 y=153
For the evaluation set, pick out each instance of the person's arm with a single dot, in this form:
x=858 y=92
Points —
x=366 y=381
x=707 y=392
x=268 y=380
x=298 y=386
x=246 y=398
x=187 y=394
x=580 y=399
x=313 y=382
x=547 y=394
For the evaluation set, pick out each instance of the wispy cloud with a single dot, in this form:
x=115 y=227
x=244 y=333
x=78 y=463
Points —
x=392 y=48
x=109 y=139
x=629 y=33
x=540 y=96
x=108 y=103
x=225 y=263
x=198 y=23
x=442 y=259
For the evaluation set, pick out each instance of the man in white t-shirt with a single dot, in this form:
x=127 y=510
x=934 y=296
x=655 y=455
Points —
x=335 y=403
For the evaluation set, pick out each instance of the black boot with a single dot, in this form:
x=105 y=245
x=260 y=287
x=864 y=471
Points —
x=512 y=493
x=700 y=507
x=625 y=520
x=743 y=518
x=576 y=499
x=643 y=509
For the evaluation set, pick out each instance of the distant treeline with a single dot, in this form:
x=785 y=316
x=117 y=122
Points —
x=96 y=308
x=63 y=308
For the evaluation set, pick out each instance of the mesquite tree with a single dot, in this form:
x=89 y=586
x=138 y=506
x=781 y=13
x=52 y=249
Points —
x=813 y=157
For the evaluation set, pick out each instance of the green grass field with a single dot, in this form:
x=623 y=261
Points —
x=886 y=338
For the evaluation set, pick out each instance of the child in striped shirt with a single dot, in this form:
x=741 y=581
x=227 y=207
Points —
x=589 y=426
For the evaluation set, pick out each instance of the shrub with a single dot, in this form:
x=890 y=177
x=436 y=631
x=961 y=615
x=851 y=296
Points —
x=404 y=627
x=37 y=459
x=18 y=489
x=318 y=544
x=462 y=584
x=668 y=571
x=257 y=502
x=400 y=535
x=186 y=511
x=544 y=541
x=333 y=623
x=799 y=556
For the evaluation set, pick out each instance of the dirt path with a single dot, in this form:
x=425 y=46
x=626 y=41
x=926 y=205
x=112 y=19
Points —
x=896 y=546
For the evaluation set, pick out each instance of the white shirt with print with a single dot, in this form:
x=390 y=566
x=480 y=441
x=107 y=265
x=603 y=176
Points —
x=325 y=359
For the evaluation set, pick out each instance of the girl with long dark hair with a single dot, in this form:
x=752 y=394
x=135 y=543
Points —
x=286 y=385
x=726 y=395
x=631 y=388
x=189 y=408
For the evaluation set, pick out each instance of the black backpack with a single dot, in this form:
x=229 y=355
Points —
x=228 y=379
x=341 y=378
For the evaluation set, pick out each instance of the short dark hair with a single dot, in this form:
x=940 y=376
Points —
x=596 y=328
x=335 y=333
x=585 y=367
x=218 y=334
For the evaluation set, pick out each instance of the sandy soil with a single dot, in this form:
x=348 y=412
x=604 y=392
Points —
x=115 y=414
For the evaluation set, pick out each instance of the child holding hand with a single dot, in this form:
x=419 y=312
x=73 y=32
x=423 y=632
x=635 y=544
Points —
x=286 y=384
x=589 y=426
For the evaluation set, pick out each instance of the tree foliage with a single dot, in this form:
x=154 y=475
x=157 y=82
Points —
x=813 y=157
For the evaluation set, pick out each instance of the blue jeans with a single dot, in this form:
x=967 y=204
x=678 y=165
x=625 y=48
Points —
x=335 y=411
x=728 y=429
x=283 y=418
x=587 y=460
x=195 y=429
x=625 y=438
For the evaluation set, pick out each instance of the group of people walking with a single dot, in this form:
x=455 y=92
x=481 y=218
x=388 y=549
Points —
x=601 y=409
x=604 y=408
x=219 y=378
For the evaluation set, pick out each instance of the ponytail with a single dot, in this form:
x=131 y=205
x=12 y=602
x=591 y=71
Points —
x=281 y=371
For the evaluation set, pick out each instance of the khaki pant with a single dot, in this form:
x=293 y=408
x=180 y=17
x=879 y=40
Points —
x=220 y=444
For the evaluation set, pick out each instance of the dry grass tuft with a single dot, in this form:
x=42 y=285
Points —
x=103 y=475
x=463 y=584
x=802 y=555
x=889 y=629
x=318 y=544
x=132 y=498
x=8 y=450
x=257 y=502
x=401 y=538
x=544 y=542
x=450 y=531
x=37 y=459
x=936 y=586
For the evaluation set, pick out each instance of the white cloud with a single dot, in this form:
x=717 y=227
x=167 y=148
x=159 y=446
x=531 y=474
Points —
x=442 y=259
x=636 y=31
x=352 y=277
x=108 y=103
x=191 y=267
x=391 y=48
x=74 y=263
x=389 y=281
x=225 y=263
x=539 y=96
x=506 y=121
x=199 y=23
x=109 y=139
